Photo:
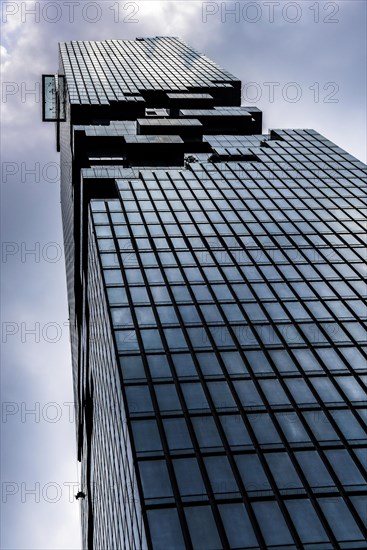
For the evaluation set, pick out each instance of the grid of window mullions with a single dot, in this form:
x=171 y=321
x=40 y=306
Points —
x=284 y=193
x=206 y=66
x=127 y=76
x=94 y=81
x=250 y=430
x=279 y=190
x=226 y=376
x=312 y=389
x=169 y=73
x=145 y=73
x=212 y=68
x=166 y=235
x=99 y=443
x=105 y=76
x=292 y=400
x=319 y=189
x=69 y=70
x=97 y=84
x=115 y=437
x=314 y=265
x=307 y=155
x=138 y=79
x=84 y=82
x=313 y=139
x=161 y=428
x=307 y=261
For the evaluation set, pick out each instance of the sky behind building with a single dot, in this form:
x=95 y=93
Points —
x=303 y=66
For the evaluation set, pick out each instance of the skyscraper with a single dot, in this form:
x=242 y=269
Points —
x=216 y=299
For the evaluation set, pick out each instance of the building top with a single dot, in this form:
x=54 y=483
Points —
x=128 y=70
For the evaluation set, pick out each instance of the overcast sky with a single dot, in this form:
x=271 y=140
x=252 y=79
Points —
x=303 y=66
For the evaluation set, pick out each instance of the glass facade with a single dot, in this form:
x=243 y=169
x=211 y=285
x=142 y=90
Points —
x=216 y=288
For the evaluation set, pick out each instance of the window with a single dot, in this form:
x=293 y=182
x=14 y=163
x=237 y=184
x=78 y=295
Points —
x=340 y=519
x=320 y=426
x=306 y=521
x=360 y=504
x=283 y=472
x=253 y=475
x=237 y=525
x=211 y=314
x=165 y=529
x=351 y=388
x=175 y=338
x=272 y=524
x=121 y=317
x=177 y=434
x=194 y=396
x=184 y=365
x=167 y=397
x=113 y=277
x=345 y=468
x=274 y=392
x=151 y=340
x=221 y=395
x=349 y=425
x=154 y=276
x=139 y=295
x=206 y=432
x=199 y=338
x=138 y=399
x=145 y=316
x=248 y=393
x=235 y=430
x=126 y=340
x=134 y=276
x=189 y=314
x=233 y=313
x=117 y=296
x=221 y=476
x=202 y=528
x=158 y=366
x=258 y=361
x=264 y=429
x=233 y=362
x=146 y=436
x=155 y=480
x=300 y=391
x=326 y=390
x=314 y=470
x=292 y=427
x=173 y=275
x=181 y=294
x=209 y=364
x=306 y=358
x=189 y=480
x=160 y=294
x=282 y=361
x=132 y=367
x=354 y=358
